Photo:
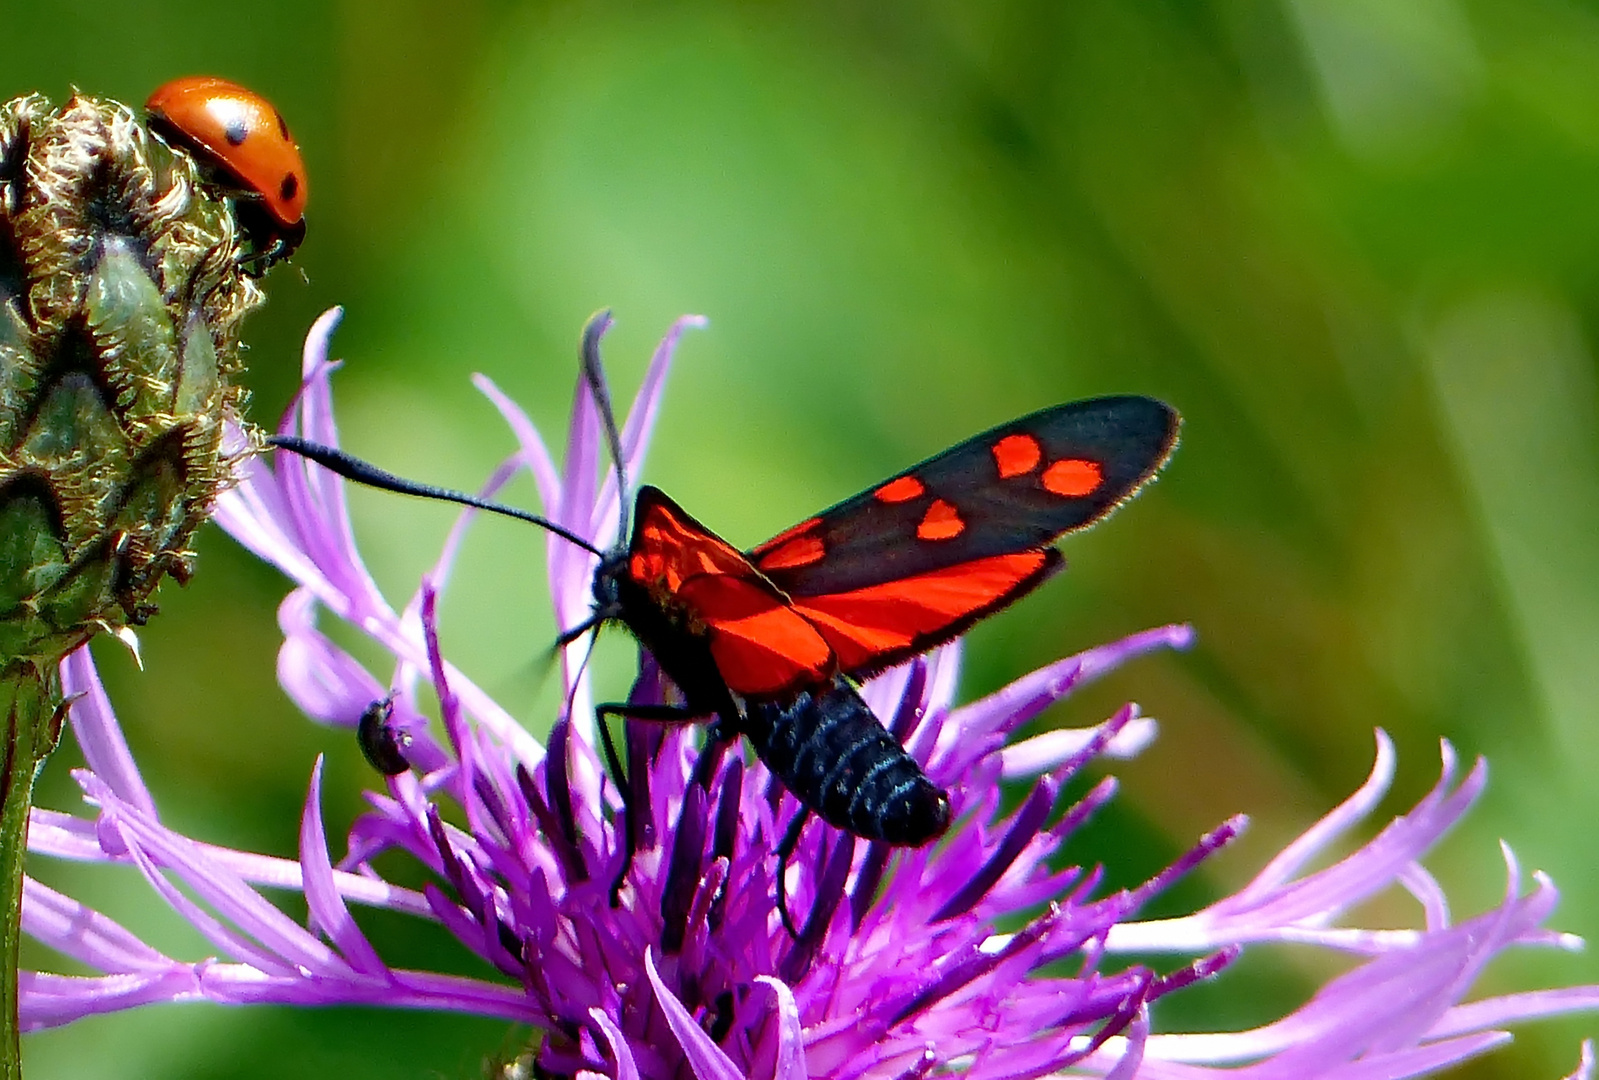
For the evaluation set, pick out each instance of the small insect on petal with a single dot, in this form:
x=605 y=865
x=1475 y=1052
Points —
x=383 y=744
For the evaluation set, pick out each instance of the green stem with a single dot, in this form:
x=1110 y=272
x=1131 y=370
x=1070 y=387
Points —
x=32 y=725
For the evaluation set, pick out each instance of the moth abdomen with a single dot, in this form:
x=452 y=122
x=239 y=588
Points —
x=837 y=759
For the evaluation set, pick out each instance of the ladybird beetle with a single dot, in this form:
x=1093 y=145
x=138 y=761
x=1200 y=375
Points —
x=241 y=141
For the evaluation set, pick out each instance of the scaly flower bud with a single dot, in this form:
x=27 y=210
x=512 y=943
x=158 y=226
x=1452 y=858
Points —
x=121 y=296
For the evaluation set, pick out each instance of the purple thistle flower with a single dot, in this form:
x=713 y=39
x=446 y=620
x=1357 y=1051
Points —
x=898 y=970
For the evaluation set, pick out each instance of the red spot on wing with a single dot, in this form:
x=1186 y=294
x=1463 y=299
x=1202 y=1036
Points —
x=1073 y=477
x=897 y=617
x=760 y=644
x=904 y=489
x=786 y=535
x=800 y=551
x=668 y=550
x=941 y=522
x=1016 y=455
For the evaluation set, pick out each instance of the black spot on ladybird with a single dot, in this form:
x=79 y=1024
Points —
x=289 y=187
x=283 y=128
x=236 y=131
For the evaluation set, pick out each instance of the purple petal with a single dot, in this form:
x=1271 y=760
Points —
x=214 y=931
x=626 y=1068
x=327 y=683
x=535 y=455
x=639 y=425
x=154 y=848
x=1132 y=1053
x=99 y=735
x=51 y=1000
x=1334 y=824
x=1377 y=862
x=1184 y=1057
x=1386 y=1005
x=708 y=1060
x=1007 y=709
x=1300 y=910
x=1507 y=1009
x=1044 y=752
x=790 y=1057
x=315 y=402
x=63 y=836
x=445 y=563
x=253 y=511
x=579 y=479
x=314 y=496
x=1584 y=1070
x=66 y=837
x=78 y=931
x=321 y=893
x=568 y=568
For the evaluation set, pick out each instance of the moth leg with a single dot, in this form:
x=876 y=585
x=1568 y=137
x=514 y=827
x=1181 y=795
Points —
x=719 y=735
x=664 y=714
x=784 y=851
x=613 y=760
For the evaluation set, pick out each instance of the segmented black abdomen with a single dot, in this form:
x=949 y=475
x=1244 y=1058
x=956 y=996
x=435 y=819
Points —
x=837 y=759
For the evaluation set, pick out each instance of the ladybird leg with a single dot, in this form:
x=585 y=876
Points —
x=785 y=850
x=613 y=761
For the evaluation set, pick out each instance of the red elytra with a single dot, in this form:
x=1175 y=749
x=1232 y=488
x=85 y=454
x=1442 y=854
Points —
x=239 y=131
x=238 y=136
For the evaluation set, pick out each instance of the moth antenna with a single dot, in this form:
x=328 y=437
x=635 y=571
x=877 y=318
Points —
x=594 y=374
x=364 y=472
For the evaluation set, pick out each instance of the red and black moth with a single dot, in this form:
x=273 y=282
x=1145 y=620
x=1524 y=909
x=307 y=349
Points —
x=771 y=643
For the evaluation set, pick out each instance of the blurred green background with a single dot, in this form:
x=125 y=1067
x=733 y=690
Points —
x=1356 y=242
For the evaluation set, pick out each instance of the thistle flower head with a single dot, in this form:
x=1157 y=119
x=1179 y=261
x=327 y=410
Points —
x=987 y=953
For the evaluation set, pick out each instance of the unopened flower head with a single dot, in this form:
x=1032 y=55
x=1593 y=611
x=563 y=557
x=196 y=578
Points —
x=987 y=953
x=123 y=299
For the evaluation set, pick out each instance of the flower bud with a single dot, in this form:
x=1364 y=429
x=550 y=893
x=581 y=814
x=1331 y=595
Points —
x=121 y=297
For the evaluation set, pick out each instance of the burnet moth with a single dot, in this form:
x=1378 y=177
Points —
x=771 y=643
